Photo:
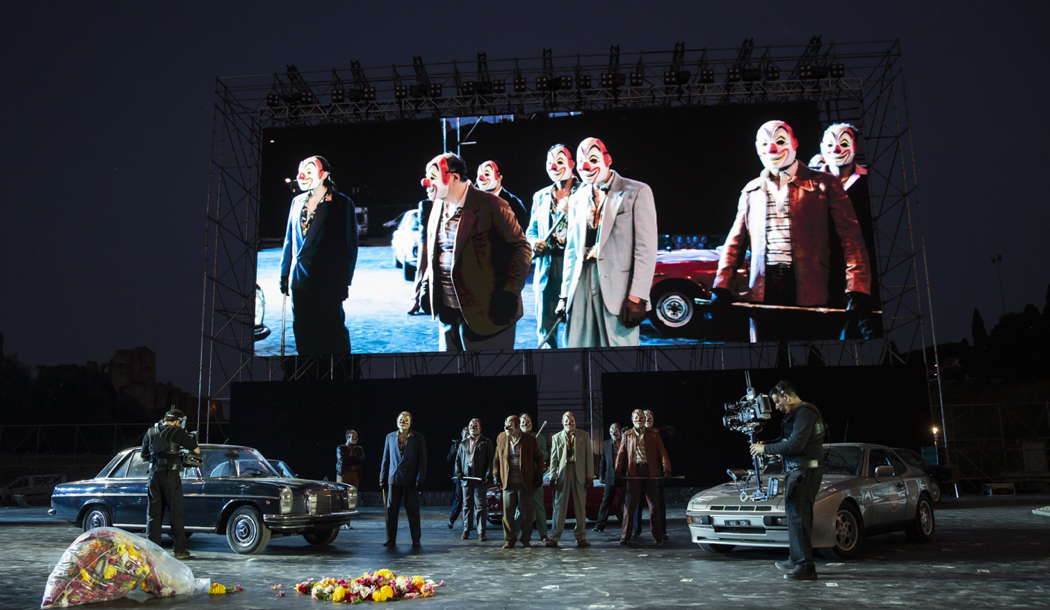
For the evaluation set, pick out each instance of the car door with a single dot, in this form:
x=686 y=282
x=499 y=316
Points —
x=889 y=495
x=127 y=491
x=195 y=507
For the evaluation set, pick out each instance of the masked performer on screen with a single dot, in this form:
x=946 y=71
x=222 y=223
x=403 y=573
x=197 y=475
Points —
x=782 y=217
x=610 y=253
x=473 y=262
x=318 y=260
x=838 y=155
x=546 y=233
x=490 y=180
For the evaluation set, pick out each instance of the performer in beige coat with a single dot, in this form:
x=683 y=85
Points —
x=571 y=472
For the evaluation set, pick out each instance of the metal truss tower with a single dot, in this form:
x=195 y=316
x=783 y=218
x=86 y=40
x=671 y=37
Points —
x=856 y=82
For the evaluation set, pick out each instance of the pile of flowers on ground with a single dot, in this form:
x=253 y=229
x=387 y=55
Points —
x=379 y=586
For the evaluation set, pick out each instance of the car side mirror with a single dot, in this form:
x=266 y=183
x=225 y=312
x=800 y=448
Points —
x=884 y=472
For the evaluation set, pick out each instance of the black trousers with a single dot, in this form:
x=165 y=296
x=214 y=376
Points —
x=319 y=323
x=165 y=492
x=396 y=495
x=663 y=508
x=800 y=491
x=650 y=489
x=457 y=502
x=612 y=502
x=474 y=507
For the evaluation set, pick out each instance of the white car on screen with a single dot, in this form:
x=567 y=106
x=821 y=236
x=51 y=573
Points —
x=404 y=243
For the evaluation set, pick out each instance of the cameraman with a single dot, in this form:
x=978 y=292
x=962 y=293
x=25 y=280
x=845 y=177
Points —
x=802 y=449
x=160 y=447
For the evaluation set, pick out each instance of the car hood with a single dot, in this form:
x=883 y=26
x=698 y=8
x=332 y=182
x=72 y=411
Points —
x=728 y=493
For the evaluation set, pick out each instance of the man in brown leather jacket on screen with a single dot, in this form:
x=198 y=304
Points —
x=473 y=262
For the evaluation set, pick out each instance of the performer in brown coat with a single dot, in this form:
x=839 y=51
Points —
x=349 y=458
x=518 y=470
x=640 y=459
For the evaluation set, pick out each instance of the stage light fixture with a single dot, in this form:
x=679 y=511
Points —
x=499 y=86
x=520 y=84
x=733 y=74
x=676 y=77
x=707 y=76
x=434 y=90
x=400 y=92
x=637 y=79
x=542 y=83
x=611 y=80
x=369 y=93
x=838 y=70
x=805 y=71
x=772 y=72
x=583 y=81
x=338 y=95
x=273 y=100
x=565 y=82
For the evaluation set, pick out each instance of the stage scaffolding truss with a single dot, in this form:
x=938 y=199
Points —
x=856 y=82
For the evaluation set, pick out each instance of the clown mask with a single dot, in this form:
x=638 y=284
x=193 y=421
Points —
x=311 y=175
x=776 y=146
x=638 y=419
x=474 y=428
x=839 y=145
x=568 y=421
x=650 y=419
x=437 y=178
x=404 y=422
x=489 y=177
x=595 y=162
x=560 y=164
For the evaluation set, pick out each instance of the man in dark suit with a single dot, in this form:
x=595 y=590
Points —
x=490 y=180
x=401 y=475
x=473 y=468
x=473 y=263
x=607 y=475
x=518 y=470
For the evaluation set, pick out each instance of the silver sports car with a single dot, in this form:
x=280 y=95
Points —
x=866 y=489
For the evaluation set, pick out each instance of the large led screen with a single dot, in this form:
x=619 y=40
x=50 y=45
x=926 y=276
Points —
x=585 y=229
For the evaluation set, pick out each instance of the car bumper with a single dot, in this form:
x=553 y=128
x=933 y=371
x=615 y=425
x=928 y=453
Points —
x=729 y=529
x=281 y=523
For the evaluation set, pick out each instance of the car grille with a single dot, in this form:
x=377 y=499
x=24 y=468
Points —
x=319 y=503
x=725 y=529
x=745 y=508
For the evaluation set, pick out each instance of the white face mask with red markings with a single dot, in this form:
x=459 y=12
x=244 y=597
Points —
x=310 y=175
x=776 y=146
x=839 y=145
x=489 y=177
x=560 y=165
x=437 y=178
x=593 y=162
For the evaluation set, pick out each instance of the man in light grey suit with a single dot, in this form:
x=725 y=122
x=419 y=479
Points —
x=546 y=235
x=610 y=253
x=571 y=472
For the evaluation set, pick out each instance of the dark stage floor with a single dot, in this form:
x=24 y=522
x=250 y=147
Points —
x=988 y=552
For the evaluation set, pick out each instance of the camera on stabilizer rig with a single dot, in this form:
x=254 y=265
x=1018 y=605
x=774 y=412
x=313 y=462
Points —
x=748 y=413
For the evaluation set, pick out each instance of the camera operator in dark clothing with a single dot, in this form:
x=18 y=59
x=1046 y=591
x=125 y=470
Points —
x=161 y=448
x=803 y=452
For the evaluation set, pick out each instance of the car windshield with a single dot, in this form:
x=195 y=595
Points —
x=842 y=460
x=235 y=462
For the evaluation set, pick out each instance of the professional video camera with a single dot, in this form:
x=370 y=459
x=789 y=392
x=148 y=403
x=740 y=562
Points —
x=746 y=416
x=190 y=459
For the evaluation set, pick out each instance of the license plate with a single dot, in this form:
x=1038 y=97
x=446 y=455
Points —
x=738 y=523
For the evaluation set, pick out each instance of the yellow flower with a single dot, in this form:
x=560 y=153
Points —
x=217 y=589
x=109 y=572
x=338 y=594
x=388 y=592
x=377 y=596
x=418 y=581
x=84 y=575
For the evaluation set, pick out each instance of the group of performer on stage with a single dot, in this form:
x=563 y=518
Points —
x=518 y=463
x=592 y=235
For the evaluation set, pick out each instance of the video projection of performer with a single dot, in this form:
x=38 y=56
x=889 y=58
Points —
x=645 y=227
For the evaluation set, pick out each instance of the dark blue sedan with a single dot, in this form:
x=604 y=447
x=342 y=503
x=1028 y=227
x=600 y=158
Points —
x=235 y=492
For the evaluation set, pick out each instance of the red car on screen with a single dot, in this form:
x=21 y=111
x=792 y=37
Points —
x=494 y=496
x=681 y=277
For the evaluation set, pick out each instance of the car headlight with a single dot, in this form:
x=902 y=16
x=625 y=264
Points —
x=694 y=504
x=351 y=497
x=286 y=500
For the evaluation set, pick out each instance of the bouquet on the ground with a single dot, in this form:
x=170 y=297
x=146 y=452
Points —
x=379 y=586
x=107 y=563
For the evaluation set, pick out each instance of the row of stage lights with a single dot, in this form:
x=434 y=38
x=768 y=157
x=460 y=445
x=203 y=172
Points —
x=545 y=83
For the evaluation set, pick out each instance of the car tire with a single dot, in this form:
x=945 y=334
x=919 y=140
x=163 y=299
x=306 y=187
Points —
x=849 y=532
x=720 y=549
x=96 y=516
x=409 y=271
x=674 y=311
x=922 y=526
x=245 y=531
x=322 y=537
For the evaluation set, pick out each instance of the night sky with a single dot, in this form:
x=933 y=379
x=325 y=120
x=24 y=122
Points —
x=108 y=110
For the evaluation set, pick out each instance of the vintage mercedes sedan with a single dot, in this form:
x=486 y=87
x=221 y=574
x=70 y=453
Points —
x=866 y=489
x=235 y=492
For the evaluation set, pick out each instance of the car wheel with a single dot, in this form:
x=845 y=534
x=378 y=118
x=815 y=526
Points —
x=409 y=272
x=921 y=528
x=674 y=309
x=245 y=531
x=721 y=549
x=935 y=491
x=96 y=516
x=849 y=532
x=322 y=537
